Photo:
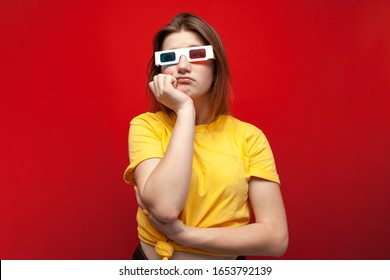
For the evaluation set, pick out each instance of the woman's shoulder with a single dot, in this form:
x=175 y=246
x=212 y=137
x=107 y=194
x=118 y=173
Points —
x=248 y=134
x=243 y=127
x=157 y=118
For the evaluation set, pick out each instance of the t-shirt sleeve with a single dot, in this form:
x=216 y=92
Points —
x=144 y=143
x=261 y=161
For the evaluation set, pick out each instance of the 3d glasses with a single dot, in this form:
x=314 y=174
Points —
x=193 y=54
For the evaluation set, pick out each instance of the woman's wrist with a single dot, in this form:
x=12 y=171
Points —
x=187 y=114
x=189 y=236
x=187 y=108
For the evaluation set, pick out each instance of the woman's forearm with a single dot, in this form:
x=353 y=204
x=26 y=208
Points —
x=260 y=239
x=165 y=191
x=267 y=236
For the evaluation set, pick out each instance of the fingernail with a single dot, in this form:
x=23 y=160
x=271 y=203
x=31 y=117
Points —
x=146 y=212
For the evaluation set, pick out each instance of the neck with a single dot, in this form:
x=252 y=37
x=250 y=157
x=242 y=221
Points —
x=202 y=114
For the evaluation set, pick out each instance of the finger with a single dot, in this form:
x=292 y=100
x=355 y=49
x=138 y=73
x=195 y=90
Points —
x=170 y=81
x=174 y=84
x=161 y=83
x=156 y=86
x=138 y=198
x=152 y=87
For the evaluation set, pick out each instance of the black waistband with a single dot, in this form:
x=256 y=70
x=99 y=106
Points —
x=140 y=255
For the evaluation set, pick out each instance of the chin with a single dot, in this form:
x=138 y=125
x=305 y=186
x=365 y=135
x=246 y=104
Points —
x=184 y=89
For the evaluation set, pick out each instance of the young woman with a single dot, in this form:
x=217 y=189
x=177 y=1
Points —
x=198 y=171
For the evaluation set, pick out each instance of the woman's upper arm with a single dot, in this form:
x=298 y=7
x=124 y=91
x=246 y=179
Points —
x=145 y=147
x=266 y=200
x=143 y=171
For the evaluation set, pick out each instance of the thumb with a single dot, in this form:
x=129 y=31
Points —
x=170 y=81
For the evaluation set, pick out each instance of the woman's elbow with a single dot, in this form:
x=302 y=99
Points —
x=166 y=214
x=163 y=212
x=280 y=245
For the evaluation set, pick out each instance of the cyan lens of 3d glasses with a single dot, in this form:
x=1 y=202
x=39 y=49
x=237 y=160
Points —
x=167 y=57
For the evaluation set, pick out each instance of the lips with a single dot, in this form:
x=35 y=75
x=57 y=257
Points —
x=184 y=80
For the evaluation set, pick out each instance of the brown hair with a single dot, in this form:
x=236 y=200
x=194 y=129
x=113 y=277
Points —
x=221 y=89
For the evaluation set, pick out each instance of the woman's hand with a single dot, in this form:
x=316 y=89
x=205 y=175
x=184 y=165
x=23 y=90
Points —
x=176 y=230
x=164 y=88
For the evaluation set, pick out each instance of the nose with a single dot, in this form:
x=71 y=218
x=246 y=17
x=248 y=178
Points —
x=183 y=65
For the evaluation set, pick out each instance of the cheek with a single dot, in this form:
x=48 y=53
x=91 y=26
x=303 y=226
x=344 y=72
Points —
x=207 y=72
x=209 y=77
x=168 y=70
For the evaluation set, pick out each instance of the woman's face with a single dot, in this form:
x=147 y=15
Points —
x=195 y=78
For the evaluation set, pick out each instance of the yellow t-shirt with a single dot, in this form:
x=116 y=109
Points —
x=227 y=153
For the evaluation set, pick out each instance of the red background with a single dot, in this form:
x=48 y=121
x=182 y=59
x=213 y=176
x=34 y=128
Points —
x=313 y=75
